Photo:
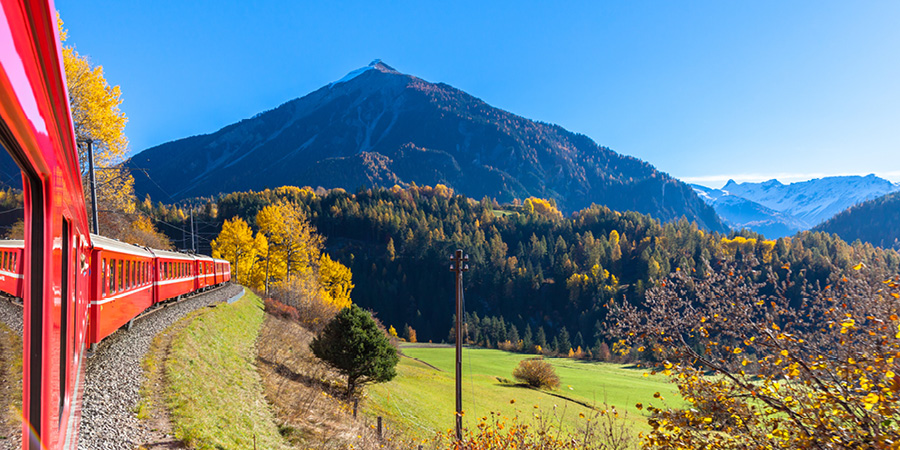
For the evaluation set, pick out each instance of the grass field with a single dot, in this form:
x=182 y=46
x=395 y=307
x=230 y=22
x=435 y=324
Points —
x=215 y=395
x=421 y=398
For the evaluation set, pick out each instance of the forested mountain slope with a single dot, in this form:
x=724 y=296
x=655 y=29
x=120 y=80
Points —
x=875 y=221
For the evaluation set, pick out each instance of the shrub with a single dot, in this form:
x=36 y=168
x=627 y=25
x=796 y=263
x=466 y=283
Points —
x=537 y=373
x=353 y=344
x=821 y=373
x=278 y=309
x=311 y=308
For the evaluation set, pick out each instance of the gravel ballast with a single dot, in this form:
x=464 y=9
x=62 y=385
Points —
x=114 y=377
x=11 y=315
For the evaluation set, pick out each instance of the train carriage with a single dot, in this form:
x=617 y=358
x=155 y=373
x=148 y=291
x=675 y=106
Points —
x=205 y=272
x=11 y=278
x=223 y=271
x=174 y=274
x=122 y=285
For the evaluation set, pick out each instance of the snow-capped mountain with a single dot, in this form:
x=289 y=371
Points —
x=739 y=212
x=816 y=200
x=379 y=127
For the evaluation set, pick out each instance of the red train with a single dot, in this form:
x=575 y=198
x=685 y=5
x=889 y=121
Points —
x=127 y=280
x=75 y=288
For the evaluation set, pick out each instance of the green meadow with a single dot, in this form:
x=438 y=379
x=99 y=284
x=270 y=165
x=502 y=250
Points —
x=421 y=398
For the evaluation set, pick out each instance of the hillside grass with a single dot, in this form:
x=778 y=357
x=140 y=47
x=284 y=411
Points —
x=421 y=399
x=214 y=396
x=10 y=383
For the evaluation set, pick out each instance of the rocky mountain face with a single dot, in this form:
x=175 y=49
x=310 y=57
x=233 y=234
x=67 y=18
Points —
x=377 y=126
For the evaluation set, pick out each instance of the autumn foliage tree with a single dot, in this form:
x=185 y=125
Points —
x=818 y=374
x=97 y=118
x=294 y=243
x=237 y=244
x=287 y=251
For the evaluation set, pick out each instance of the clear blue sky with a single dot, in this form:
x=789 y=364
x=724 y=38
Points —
x=703 y=90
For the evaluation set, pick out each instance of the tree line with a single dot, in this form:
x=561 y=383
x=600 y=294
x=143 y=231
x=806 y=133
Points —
x=531 y=266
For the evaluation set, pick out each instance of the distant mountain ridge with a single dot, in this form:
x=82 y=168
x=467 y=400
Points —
x=377 y=126
x=738 y=213
x=776 y=209
x=816 y=200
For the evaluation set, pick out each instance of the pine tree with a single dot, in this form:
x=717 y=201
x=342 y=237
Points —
x=564 y=343
x=353 y=344
x=527 y=339
x=541 y=338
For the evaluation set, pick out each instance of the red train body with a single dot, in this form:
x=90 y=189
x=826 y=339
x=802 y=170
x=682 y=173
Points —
x=11 y=278
x=75 y=288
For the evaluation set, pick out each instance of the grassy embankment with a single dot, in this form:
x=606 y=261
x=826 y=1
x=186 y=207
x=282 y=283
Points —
x=10 y=383
x=421 y=398
x=214 y=393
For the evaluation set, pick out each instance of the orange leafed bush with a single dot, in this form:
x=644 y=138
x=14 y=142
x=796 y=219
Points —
x=537 y=373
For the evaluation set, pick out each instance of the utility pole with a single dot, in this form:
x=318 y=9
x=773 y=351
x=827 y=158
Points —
x=90 y=150
x=458 y=265
x=193 y=241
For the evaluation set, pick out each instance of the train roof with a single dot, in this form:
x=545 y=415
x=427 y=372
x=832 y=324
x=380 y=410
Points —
x=203 y=257
x=12 y=243
x=105 y=243
x=174 y=255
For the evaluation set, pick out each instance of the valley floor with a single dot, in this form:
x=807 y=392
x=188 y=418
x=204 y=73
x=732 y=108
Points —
x=421 y=397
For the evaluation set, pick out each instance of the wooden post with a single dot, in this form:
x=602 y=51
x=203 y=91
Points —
x=355 y=406
x=379 y=427
x=459 y=264
x=254 y=441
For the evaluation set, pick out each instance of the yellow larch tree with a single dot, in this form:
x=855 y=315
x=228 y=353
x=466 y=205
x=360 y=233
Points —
x=235 y=243
x=97 y=118
x=295 y=247
x=336 y=281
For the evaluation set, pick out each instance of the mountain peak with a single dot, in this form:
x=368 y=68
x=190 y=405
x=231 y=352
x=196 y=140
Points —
x=374 y=65
x=381 y=66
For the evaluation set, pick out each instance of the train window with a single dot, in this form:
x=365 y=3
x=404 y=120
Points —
x=120 y=276
x=103 y=277
x=3 y=263
x=134 y=273
x=112 y=277
x=64 y=317
x=15 y=259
